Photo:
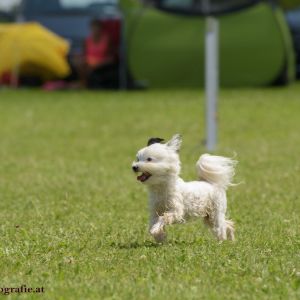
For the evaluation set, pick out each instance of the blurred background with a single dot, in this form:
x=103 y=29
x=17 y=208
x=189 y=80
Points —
x=113 y=44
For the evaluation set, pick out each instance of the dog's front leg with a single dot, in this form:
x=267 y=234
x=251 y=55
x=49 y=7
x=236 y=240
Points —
x=157 y=229
x=172 y=217
x=168 y=218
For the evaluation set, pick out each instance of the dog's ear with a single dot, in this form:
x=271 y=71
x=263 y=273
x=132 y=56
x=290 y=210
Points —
x=154 y=141
x=175 y=142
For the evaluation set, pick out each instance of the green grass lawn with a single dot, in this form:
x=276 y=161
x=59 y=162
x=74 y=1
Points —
x=74 y=218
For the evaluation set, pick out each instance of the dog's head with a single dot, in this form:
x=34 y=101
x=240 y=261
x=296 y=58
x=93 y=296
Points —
x=158 y=162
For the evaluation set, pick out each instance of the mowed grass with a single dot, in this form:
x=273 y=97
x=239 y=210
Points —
x=74 y=218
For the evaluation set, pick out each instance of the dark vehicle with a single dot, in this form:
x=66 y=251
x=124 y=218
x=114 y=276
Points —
x=71 y=20
x=6 y=17
x=293 y=19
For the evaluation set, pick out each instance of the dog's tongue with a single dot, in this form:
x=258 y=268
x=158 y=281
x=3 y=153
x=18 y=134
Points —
x=142 y=177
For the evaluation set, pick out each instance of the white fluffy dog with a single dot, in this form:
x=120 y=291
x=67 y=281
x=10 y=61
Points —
x=172 y=200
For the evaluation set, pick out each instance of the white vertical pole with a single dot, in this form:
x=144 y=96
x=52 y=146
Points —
x=211 y=80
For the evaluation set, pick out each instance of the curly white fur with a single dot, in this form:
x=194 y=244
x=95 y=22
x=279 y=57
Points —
x=171 y=200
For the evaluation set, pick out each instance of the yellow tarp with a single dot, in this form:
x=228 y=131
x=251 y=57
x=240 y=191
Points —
x=31 y=49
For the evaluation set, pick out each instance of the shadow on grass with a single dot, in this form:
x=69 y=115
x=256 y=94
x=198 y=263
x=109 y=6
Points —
x=135 y=245
x=150 y=244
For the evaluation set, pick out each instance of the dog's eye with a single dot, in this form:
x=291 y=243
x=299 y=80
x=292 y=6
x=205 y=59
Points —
x=137 y=159
x=149 y=159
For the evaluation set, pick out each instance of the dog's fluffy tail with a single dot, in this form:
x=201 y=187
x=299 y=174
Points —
x=216 y=170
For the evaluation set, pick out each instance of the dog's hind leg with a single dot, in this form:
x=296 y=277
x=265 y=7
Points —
x=230 y=229
x=218 y=225
x=221 y=227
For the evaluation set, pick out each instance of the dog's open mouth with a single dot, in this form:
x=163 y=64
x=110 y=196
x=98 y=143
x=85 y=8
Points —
x=144 y=176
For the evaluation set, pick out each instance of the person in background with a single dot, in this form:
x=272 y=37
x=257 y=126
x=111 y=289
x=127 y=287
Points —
x=97 y=67
x=98 y=47
x=102 y=61
x=101 y=58
x=98 y=57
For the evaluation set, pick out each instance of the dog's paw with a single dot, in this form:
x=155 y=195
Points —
x=161 y=237
x=157 y=228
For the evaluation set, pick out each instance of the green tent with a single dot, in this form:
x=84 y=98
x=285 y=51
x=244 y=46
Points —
x=168 y=50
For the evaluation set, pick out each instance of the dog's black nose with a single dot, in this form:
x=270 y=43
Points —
x=135 y=168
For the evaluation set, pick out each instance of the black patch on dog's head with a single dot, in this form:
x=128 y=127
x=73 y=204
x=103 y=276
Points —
x=154 y=141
